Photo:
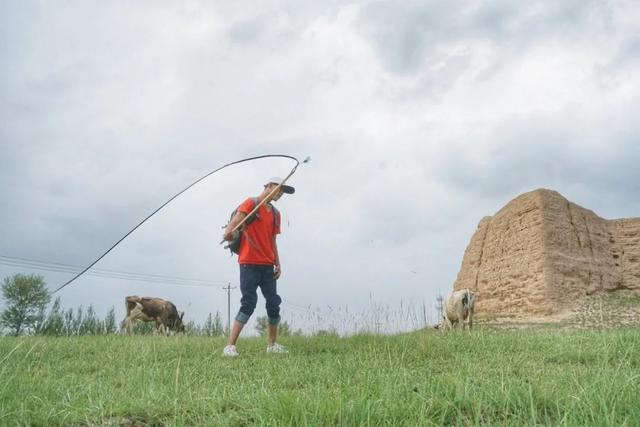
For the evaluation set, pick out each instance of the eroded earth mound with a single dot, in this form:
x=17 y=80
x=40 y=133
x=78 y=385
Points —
x=543 y=256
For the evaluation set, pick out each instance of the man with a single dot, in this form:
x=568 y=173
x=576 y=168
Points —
x=259 y=263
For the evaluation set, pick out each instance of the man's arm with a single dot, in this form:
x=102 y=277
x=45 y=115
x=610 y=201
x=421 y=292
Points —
x=237 y=218
x=277 y=271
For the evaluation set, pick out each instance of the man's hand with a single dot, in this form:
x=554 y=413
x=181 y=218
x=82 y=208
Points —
x=228 y=235
x=231 y=236
x=277 y=271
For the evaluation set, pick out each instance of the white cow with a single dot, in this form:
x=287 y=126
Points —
x=458 y=309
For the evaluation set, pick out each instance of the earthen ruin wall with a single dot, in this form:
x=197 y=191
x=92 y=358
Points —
x=541 y=255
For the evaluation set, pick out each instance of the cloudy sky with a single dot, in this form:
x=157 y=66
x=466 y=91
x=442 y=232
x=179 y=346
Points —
x=420 y=117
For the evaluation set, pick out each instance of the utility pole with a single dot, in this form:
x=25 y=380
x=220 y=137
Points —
x=228 y=289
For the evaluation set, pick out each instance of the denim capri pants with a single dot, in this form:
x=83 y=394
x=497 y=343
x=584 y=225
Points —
x=252 y=277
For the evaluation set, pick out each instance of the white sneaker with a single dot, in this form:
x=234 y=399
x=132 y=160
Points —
x=276 y=348
x=230 y=351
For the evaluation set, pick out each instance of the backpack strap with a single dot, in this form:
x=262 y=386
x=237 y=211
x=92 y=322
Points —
x=255 y=215
x=276 y=217
x=276 y=213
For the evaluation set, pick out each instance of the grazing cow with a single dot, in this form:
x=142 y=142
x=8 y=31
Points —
x=149 y=309
x=458 y=308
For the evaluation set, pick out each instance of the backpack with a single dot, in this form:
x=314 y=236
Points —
x=234 y=245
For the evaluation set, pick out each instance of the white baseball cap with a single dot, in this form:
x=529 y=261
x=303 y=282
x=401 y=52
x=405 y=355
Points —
x=285 y=188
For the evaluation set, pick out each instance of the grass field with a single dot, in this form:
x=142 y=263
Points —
x=422 y=378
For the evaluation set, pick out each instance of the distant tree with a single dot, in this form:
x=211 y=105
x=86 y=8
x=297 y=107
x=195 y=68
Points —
x=54 y=323
x=284 y=330
x=207 y=328
x=440 y=306
x=195 y=329
x=218 y=328
x=145 y=328
x=262 y=322
x=77 y=321
x=59 y=322
x=26 y=298
x=69 y=322
x=90 y=324
x=326 y=333
x=261 y=325
x=110 y=325
x=213 y=326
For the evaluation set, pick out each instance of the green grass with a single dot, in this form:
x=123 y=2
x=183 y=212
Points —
x=620 y=299
x=423 y=378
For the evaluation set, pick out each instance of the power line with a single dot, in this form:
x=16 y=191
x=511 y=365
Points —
x=114 y=274
x=124 y=275
x=75 y=268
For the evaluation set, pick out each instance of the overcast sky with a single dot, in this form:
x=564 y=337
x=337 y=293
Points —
x=421 y=117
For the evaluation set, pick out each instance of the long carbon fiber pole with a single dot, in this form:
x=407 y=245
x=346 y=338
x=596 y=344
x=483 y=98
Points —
x=172 y=198
x=255 y=209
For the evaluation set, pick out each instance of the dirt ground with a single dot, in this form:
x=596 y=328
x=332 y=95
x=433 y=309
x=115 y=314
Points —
x=602 y=311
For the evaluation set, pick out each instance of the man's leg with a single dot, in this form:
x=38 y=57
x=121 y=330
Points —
x=273 y=334
x=235 y=332
x=249 y=280
x=269 y=290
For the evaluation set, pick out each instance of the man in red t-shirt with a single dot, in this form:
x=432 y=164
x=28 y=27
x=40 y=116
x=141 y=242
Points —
x=259 y=263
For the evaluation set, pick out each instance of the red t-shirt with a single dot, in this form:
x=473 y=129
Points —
x=256 y=244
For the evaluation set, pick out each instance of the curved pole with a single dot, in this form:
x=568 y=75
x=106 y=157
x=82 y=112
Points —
x=172 y=198
x=263 y=201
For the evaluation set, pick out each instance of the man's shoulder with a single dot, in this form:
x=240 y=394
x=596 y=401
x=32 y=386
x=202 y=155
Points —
x=248 y=204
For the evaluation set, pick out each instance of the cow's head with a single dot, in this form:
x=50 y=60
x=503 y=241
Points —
x=179 y=324
x=469 y=299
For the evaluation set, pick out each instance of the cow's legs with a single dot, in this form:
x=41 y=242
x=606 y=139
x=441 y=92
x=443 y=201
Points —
x=161 y=329
x=447 y=324
x=126 y=319
x=133 y=315
x=127 y=325
x=461 y=318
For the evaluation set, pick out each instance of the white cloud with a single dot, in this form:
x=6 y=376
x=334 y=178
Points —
x=420 y=118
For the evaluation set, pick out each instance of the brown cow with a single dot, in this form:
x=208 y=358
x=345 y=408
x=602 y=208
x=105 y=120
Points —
x=150 y=309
